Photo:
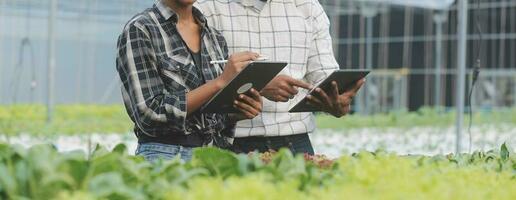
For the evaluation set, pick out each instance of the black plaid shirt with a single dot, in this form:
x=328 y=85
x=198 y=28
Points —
x=157 y=71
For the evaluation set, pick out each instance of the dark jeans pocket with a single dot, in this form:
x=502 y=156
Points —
x=246 y=145
x=302 y=145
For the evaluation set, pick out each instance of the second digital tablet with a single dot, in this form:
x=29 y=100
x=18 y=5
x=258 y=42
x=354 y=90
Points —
x=345 y=80
x=256 y=75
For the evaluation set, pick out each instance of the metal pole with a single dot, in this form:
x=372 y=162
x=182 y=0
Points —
x=514 y=91
x=462 y=28
x=51 y=59
x=439 y=19
x=369 y=58
x=2 y=61
x=369 y=48
x=361 y=64
x=438 y=63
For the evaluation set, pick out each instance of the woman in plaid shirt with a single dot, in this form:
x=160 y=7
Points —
x=163 y=60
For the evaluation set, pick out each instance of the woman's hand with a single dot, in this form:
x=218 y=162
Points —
x=249 y=105
x=199 y=96
x=236 y=63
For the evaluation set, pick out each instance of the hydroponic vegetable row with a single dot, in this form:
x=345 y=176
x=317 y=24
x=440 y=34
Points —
x=41 y=172
x=86 y=119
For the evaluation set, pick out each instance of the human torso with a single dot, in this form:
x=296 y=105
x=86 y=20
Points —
x=282 y=31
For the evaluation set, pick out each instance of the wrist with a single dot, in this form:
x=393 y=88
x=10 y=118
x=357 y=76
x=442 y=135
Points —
x=219 y=83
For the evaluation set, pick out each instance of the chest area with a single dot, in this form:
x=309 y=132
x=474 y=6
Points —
x=177 y=64
x=282 y=27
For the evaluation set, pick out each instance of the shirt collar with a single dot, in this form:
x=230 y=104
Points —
x=168 y=13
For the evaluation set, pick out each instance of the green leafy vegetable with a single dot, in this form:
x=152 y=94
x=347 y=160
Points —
x=41 y=172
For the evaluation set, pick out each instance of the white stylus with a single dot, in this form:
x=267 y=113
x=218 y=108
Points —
x=261 y=58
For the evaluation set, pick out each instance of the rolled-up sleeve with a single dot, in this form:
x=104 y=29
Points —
x=321 y=60
x=149 y=102
x=229 y=125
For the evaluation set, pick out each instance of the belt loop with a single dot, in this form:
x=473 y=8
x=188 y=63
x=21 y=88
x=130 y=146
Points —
x=289 y=142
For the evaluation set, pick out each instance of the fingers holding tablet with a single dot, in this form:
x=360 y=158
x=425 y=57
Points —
x=334 y=94
x=249 y=103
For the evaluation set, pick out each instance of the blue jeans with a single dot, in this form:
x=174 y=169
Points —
x=154 y=151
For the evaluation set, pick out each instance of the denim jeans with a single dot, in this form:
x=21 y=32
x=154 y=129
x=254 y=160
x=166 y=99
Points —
x=154 y=151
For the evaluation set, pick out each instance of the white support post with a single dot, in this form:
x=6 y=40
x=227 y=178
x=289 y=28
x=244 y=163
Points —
x=439 y=19
x=462 y=29
x=51 y=59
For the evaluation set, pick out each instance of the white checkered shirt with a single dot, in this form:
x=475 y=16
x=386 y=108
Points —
x=294 y=31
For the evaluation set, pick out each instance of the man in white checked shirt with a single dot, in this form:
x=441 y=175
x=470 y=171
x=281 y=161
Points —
x=295 y=31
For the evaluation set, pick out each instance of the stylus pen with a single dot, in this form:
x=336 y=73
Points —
x=214 y=62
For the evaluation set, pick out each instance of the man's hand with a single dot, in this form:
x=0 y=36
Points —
x=335 y=103
x=249 y=104
x=282 y=88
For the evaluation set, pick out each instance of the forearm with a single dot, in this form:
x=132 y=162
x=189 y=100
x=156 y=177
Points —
x=199 y=96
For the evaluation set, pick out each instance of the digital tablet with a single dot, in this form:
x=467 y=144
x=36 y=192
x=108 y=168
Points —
x=345 y=80
x=256 y=75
